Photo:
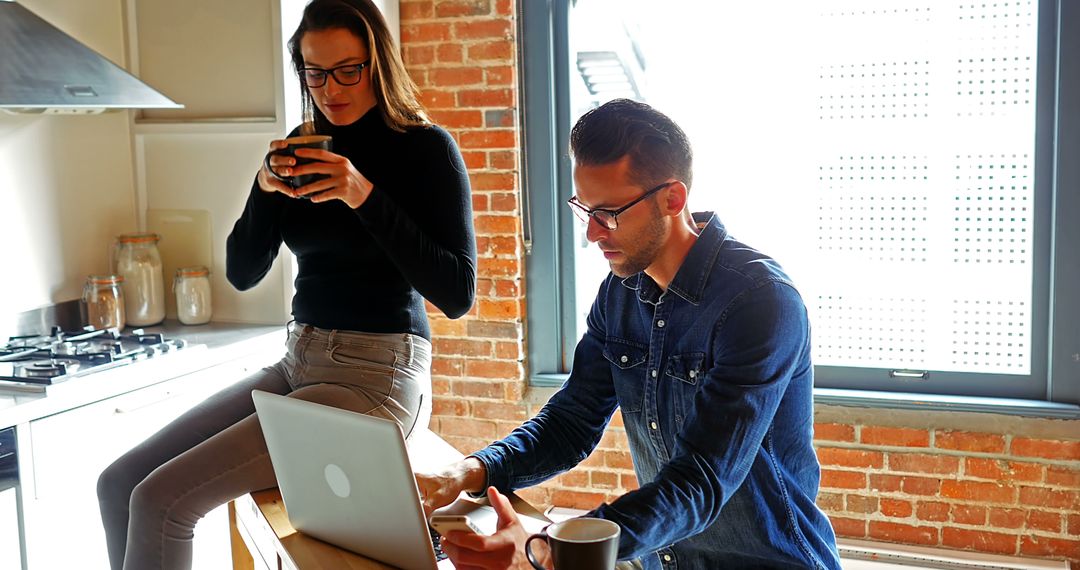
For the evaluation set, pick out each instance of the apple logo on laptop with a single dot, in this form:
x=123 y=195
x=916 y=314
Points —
x=337 y=480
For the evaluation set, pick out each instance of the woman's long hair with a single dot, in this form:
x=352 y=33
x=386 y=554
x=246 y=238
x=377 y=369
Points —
x=396 y=95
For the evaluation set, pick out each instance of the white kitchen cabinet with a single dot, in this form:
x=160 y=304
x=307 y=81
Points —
x=216 y=58
x=9 y=530
x=224 y=61
x=69 y=450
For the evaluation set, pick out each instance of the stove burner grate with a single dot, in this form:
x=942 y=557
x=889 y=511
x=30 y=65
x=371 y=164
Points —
x=17 y=353
x=44 y=360
x=49 y=369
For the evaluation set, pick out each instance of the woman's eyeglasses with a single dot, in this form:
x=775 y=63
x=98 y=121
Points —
x=608 y=218
x=345 y=75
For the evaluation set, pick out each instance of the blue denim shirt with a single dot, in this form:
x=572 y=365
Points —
x=714 y=381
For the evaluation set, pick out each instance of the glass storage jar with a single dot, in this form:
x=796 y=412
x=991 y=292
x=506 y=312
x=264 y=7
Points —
x=192 y=288
x=104 y=301
x=139 y=263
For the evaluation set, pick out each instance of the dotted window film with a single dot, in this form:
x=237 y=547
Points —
x=874 y=207
x=882 y=151
x=866 y=331
x=875 y=90
x=924 y=185
x=989 y=334
x=995 y=70
x=992 y=212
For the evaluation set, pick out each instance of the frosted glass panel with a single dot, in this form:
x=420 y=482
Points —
x=881 y=150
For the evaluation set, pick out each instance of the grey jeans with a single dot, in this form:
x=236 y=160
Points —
x=152 y=496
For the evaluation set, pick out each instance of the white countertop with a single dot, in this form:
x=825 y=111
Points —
x=208 y=345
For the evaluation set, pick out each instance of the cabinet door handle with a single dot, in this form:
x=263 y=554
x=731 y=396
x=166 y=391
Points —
x=127 y=409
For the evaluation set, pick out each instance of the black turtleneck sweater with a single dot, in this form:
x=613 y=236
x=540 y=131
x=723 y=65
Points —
x=371 y=268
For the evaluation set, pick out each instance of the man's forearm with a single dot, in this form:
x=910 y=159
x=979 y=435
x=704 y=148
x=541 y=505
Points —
x=475 y=475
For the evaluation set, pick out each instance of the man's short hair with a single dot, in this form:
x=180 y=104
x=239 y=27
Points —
x=658 y=148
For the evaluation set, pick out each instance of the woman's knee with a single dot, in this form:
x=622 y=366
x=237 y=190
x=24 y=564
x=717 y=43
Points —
x=116 y=482
x=162 y=495
x=146 y=496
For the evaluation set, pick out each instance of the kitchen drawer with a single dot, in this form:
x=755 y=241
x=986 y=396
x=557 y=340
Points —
x=78 y=444
x=256 y=534
x=69 y=450
x=10 y=548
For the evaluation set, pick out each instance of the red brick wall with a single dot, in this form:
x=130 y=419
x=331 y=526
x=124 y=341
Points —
x=461 y=54
x=985 y=490
x=1000 y=488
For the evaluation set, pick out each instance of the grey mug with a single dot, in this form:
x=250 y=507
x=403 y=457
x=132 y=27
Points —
x=583 y=543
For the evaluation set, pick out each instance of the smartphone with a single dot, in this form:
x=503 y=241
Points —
x=446 y=523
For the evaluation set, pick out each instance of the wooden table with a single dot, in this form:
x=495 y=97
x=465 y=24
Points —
x=263 y=538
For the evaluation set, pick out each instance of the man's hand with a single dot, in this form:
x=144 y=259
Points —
x=442 y=487
x=503 y=550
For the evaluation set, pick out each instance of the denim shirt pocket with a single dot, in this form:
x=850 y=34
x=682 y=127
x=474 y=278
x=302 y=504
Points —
x=688 y=369
x=627 y=360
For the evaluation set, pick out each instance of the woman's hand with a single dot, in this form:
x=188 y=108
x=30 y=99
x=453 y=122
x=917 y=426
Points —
x=345 y=183
x=280 y=163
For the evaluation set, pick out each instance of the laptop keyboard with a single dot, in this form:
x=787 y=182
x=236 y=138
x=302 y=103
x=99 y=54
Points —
x=436 y=543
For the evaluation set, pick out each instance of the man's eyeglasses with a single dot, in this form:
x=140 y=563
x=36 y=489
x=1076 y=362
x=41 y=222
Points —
x=343 y=74
x=608 y=218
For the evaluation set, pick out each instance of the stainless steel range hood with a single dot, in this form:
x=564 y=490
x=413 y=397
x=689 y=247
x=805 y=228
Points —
x=43 y=70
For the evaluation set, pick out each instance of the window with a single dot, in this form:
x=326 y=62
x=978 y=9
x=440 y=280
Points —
x=901 y=160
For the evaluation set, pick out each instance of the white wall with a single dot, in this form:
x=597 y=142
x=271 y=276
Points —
x=66 y=183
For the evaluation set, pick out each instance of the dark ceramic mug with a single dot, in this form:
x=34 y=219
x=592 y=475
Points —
x=583 y=543
x=323 y=142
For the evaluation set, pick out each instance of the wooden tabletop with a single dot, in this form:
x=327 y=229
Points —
x=262 y=518
x=302 y=552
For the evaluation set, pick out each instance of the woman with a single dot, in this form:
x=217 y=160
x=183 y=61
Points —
x=390 y=226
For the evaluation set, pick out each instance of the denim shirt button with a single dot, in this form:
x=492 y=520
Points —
x=624 y=358
x=660 y=323
x=667 y=558
x=652 y=425
x=654 y=373
x=693 y=373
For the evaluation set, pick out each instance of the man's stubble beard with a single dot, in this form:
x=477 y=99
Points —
x=652 y=240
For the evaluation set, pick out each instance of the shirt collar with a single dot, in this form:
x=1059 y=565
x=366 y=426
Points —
x=690 y=279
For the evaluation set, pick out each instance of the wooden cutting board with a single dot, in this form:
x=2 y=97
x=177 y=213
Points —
x=185 y=241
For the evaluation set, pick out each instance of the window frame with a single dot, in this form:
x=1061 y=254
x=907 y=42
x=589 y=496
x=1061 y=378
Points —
x=543 y=50
x=545 y=117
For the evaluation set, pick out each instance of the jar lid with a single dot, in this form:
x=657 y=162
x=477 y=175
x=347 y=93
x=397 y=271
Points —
x=139 y=238
x=104 y=279
x=193 y=271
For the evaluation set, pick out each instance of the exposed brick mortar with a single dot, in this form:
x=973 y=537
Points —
x=914 y=520
x=947 y=452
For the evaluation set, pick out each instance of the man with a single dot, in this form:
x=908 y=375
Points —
x=704 y=344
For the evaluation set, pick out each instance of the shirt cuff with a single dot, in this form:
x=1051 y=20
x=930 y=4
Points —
x=264 y=199
x=372 y=208
x=491 y=460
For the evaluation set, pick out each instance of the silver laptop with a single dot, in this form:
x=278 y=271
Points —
x=346 y=479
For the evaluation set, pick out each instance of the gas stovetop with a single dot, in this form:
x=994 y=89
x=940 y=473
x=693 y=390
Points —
x=62 y=355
